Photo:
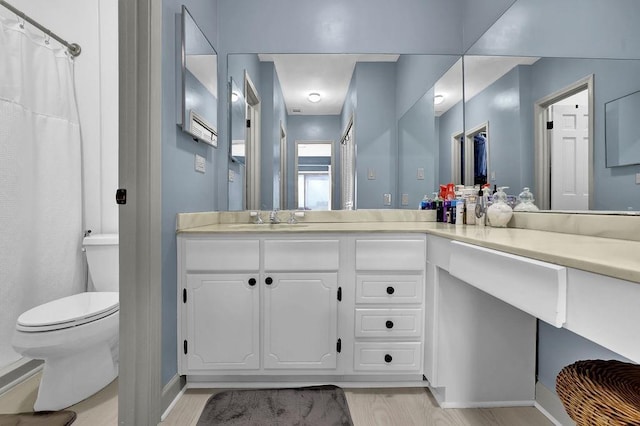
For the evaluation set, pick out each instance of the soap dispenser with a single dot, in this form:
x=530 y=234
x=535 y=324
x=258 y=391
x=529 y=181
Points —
x=499 y=213
x=526 y=202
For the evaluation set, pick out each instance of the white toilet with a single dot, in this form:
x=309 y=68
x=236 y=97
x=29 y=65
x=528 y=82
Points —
x=76 y=336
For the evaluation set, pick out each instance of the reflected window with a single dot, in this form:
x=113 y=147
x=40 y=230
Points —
x=314 y=170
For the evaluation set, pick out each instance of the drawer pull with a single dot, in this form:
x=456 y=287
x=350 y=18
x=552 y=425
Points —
x=388 y=358
x=390 y=290
x=252 y=282
x=268 y=280
x=389 y=324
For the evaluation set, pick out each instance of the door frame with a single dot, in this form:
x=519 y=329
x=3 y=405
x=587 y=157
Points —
x=469 y=149
x=140 y=226
x=253 y=153
x=283 y=167
x=542 y=138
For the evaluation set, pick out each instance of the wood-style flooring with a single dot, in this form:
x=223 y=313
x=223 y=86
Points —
x=369 y=407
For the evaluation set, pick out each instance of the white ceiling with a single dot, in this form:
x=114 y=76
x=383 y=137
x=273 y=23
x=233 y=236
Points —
x=330 y=75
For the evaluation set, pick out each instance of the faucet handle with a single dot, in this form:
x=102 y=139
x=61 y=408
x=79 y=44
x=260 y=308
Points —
x=258 y=219
x=292 y=218
x=273 y=216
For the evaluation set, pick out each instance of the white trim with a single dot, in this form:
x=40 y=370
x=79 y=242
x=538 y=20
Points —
x=469 y=165
x=283 y=167
x=140 y=173
x=320 y=381
x=22 y=364
x=542 y=161
x=456 y=152
x=331 y=171
x=487 y=404
x=548 y=403
x=177 y=386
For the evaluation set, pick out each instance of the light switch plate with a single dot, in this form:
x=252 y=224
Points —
x=405 y=199
x=232 y=175
x=493 y=176
x=386 y=199
x=200 y=164
x=420 y=173
x=371 y=174
x=637 y=178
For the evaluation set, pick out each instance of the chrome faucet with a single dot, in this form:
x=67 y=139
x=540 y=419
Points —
x=273 y=216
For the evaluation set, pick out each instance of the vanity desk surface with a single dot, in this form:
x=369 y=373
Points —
x=614 y=257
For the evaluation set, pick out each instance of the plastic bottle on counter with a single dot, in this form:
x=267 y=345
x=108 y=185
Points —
x=460 y=215
x=470 y=210
x=480 y=208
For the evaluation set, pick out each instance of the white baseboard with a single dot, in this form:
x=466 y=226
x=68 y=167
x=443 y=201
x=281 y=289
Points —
x=171 y=393
x=18 y=372
x=548 y=403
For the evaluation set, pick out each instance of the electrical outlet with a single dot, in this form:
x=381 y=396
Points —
x=200 y=164
x=420 y=173
x=386 y=199
x=405 y=199
x=232 y=175
x=371 y=174
x=637 y=178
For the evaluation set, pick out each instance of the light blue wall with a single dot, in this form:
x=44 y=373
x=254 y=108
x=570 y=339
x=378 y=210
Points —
x=558 y=347
x=566 y=28
x=499 y=105
x=309 y=128
x=183 y=189
x=418 y=146
x=375 y=133
x=448 y=124
x=338 y=26
x=478 y=16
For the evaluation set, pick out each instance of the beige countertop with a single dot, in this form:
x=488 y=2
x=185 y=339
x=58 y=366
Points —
x=613 y=257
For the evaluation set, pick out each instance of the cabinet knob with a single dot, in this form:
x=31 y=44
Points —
x=252 y=282
x=388 y=358
x=268 y=280
x=389 y=324
x=390 y=290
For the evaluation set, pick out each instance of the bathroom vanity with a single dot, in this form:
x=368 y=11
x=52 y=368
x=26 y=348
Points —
x=379 y=302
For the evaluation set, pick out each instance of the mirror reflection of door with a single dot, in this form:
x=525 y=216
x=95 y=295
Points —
x=348 y=169
x=282 y=174
x=569 y=140
x=470 y=156
x=253 y=124
x=314 y=167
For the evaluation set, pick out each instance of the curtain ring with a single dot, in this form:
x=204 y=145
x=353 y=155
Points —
x=20 y=22
x=47 y=38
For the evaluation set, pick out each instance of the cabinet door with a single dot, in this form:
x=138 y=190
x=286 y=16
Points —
x=300 y=320
x=222 y=322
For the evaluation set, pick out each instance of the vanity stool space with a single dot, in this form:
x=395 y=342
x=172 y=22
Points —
x=301 y=308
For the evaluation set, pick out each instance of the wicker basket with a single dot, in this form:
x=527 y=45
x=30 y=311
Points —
x=599 y=392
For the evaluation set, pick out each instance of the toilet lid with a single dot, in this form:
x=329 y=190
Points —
x=69 y=311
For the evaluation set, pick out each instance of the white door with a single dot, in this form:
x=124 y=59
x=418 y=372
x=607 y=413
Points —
x=570 y=158
x=300 y=320
x=222 y=322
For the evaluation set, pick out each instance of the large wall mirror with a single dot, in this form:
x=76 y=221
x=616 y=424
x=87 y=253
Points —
x=199 y=94
x=542 y=82
x=378 y=114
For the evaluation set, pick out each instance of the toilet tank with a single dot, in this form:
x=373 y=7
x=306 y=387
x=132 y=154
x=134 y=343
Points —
x=102 y=260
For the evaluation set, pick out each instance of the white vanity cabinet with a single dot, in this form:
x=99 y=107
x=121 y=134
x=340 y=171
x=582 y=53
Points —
x=257 y=305
x=389 y=304
x=282 y=307
x=300 y=311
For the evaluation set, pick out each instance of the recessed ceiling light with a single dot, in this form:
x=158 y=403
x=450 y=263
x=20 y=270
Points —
x=314 y=97
x=438 y=99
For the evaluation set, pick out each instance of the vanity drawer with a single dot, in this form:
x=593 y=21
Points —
x=388 y=323
x=301 y=255
x=222 y=255
x=389 y=289
x=383 y=356
x=391 y=254
x=538 y=288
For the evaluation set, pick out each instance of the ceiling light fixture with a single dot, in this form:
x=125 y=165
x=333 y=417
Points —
x=438 y=99
x=234 y=97
x=314 y=97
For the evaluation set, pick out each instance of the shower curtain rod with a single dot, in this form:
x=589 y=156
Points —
x=74 y=48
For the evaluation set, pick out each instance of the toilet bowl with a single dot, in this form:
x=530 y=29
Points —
x=76 y=336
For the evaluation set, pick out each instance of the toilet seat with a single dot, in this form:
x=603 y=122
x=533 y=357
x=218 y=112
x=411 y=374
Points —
x=69 y=311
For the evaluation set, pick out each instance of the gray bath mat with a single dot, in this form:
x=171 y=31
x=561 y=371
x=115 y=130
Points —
x=42 y=418
x=310 y=406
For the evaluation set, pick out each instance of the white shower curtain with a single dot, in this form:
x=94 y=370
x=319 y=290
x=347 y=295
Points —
x=40 y=178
